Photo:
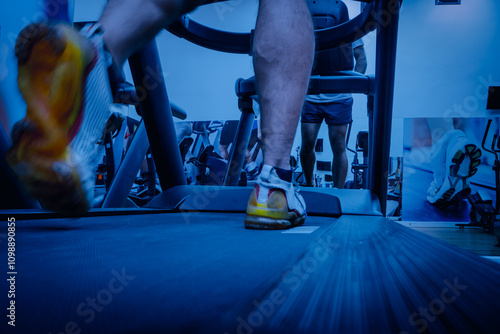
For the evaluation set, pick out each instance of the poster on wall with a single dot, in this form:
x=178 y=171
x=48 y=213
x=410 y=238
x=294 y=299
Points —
x=445 y=161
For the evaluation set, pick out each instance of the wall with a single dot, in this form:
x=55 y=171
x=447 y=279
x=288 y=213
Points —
x=447 y=55
x=201 y=80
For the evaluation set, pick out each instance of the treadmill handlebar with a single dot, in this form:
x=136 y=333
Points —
x=177 y=111
x=126 y=94
x=343 y=82
x=357 y=84
x=210 y=38
x=241 y=43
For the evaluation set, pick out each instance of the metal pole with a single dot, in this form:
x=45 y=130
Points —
x=387 y=30
x=152 y=93
x=239 y=147
x=118 y=192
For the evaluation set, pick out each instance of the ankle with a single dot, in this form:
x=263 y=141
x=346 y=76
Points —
x=284 y=174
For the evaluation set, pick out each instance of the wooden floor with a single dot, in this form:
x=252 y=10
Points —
x=470 y=238
x=418 y=214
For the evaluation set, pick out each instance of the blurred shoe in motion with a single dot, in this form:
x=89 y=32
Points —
x=63 y=79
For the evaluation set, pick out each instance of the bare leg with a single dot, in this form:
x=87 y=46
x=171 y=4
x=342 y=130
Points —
x=309 y=133
x=337 y=135
x=224 y=152
x=128 y=24
x=283 y=55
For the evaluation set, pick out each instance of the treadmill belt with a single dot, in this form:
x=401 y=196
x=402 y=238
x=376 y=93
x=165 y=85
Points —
x=204 y=273
x=371 y=275
x=165 y=273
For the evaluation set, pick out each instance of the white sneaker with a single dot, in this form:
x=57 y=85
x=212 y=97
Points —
x=274 y=203
x=462 y=159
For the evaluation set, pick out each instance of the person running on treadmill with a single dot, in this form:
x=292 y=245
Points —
x=63 y=78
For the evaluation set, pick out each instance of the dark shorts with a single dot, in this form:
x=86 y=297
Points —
x=334 y=113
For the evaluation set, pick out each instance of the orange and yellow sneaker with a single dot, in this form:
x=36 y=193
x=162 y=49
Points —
x=275 y=204
x=63 y=79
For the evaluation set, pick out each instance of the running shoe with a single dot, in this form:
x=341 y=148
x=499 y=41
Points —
x=462 y=160
x=275 y=204
x=63 y=79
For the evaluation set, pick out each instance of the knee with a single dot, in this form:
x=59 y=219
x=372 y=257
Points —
x=303 y=151
x=307 y=146
x=307 y=151
x=338 y=148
